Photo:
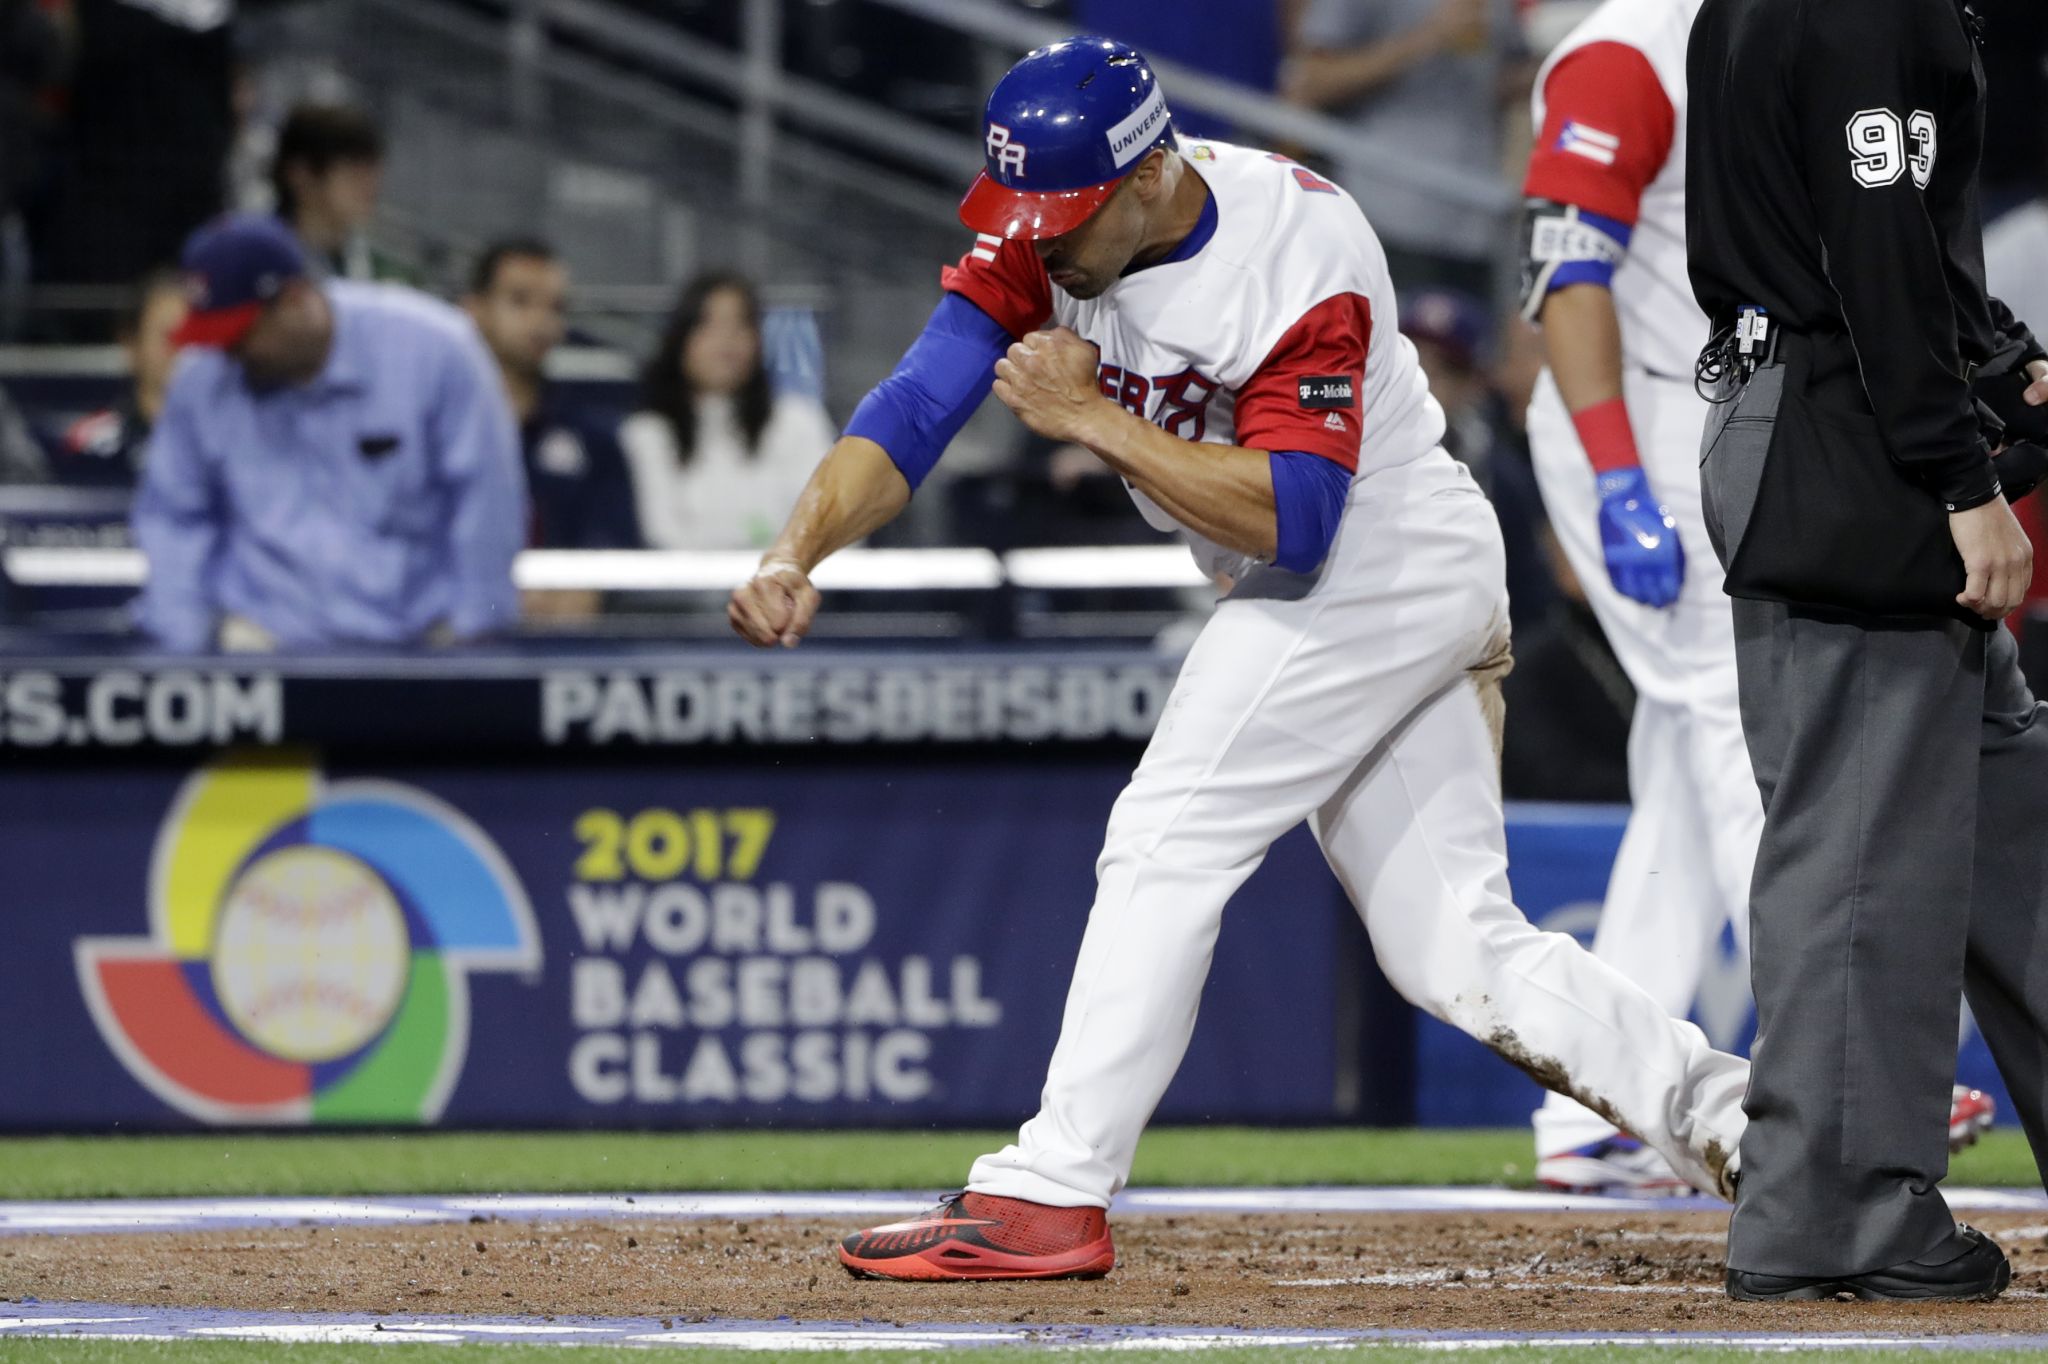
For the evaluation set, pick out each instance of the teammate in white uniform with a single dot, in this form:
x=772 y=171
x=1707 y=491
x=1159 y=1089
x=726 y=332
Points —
x=1224 y=338
x=1605 y=274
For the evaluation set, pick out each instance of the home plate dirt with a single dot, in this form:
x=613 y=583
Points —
x=1586 y=1270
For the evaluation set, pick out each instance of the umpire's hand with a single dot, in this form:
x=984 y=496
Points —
x=1997 y=558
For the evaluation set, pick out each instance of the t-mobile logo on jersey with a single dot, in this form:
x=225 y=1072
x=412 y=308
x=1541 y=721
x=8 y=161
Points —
x=1183 y=399
x=1006 y=156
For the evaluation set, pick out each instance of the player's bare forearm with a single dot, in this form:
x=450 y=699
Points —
x=855 y=490
x=1223 y=492
x=1582 y=343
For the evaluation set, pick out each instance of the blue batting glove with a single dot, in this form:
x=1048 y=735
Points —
x=1639 y=539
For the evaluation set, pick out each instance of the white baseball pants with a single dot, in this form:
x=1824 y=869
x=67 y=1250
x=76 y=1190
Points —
x=1696 y=816
x=1348 y=700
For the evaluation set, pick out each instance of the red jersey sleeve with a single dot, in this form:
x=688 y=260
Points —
x=1607 y=130
x=1006 y=280
x=1307 y=393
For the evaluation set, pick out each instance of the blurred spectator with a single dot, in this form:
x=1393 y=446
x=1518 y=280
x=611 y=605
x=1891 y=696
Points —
x=717 y=457
x=2014 y=248
x=582 y=497
x=335 y=462
x=575 y=474
x=1449 y=330
x=21 y=458
x=327 y=176
x=1425 y=79
x=31 y=55
x=1452 y=333
x=143 y=156
x=105 y=450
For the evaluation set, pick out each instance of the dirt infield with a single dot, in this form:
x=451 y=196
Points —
x=1438 y=1272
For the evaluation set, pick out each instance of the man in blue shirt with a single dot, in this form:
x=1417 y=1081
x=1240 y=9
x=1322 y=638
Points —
x=335 y=463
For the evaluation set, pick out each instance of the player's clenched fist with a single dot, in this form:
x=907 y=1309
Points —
x=1048 y=380
x=774 y=606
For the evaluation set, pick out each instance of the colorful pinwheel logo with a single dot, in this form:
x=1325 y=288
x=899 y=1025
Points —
x=310 y=949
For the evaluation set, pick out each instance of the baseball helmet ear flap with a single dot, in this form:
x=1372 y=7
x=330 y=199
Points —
x=1062 y=129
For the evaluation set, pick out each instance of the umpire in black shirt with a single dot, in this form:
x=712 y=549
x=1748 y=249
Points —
x=1864 y=381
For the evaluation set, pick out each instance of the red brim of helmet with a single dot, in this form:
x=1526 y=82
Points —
x=1015 y=214
x=221 y=327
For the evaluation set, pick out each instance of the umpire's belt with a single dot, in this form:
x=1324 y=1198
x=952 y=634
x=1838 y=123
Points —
x=1804 y=502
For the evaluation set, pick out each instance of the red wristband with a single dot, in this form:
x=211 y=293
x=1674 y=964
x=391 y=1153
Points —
x=1604 y=431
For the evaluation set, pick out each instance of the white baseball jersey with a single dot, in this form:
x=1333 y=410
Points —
x=1610 y=101
x=1271 y=327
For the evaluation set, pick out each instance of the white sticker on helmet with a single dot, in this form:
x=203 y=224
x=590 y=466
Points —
x=1134 y=135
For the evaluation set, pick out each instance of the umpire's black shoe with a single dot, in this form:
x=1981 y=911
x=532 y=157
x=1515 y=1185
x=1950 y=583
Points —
x=1968 y=1267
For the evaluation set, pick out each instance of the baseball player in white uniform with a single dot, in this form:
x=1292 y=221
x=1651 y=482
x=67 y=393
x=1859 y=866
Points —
x=1217 y=324
x=1615 y=427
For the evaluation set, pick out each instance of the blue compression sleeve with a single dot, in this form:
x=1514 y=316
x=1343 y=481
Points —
x=915 y=412
x=1308 y=500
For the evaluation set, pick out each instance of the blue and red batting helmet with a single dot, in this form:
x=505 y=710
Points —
x=1067 y=123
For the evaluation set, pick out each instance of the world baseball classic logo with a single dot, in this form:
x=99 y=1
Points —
x=310 y=949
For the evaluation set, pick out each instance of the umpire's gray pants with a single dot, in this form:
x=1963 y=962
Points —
x=1904 y=774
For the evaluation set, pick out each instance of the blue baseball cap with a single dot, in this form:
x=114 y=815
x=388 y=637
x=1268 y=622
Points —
x=234 y=267
x=1061 y=131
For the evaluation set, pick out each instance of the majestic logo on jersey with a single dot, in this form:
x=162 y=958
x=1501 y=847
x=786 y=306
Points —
x=1583 y=140
x=1135 y=133
x=1005 y=155
x=1319 y=391
x=1879 y=152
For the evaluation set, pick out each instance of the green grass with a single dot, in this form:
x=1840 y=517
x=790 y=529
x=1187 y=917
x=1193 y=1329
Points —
x=259 y=1352
x=444 y=1162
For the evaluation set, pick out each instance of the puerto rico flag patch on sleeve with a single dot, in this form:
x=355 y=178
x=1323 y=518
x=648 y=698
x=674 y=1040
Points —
x=1583 y=140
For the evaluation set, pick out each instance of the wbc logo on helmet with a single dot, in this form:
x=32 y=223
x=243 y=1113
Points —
x=1005 y=155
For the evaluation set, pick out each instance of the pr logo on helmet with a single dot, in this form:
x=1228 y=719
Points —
x=1004 y=155
x=309 y=950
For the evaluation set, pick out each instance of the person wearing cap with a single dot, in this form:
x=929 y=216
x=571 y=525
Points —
x=1217 y=325
x=335 y=463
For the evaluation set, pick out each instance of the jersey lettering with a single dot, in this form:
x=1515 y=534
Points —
x=1921 y=128
x=1184 y=404
x=1183 y=398
x=1878 y=150
x=1303 y=176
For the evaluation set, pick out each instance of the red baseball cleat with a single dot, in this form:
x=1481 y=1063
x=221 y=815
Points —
x=978 y=1236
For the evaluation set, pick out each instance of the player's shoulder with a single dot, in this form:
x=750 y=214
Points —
x=1273 y=211
x=1658 y=29
x=1873 y=30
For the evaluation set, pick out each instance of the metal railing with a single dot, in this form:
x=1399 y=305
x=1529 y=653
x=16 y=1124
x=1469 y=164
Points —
x=765 y=92
x=1164 y=566
x=1249 y=108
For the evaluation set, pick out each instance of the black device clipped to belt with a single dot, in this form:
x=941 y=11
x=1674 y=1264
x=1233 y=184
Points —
x=1735 y=352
